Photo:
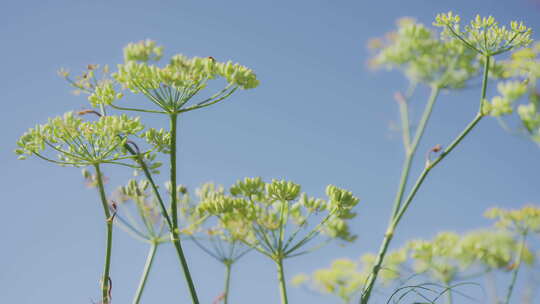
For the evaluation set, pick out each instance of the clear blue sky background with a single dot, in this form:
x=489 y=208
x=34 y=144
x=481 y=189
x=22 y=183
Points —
x=320 y=116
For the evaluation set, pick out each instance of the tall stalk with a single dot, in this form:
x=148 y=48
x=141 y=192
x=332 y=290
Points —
x=516 y=268
x=401 y=208
x=105 y=281
x=449 y=299
x=174 y=211
x=411 y=147
x=228 y=266
x=172 y=223
x=282 y=283
x=146 y=271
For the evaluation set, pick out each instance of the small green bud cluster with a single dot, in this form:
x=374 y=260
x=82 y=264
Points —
x=80 y=142
x=424 y=57
x=524 y=220
x=530 y=116
x=510 y=91
x=435 y=256
x=143 y=51
x=341 y=279
x=104 y=93
x=160 y=139
x=134 y=190
x=182 y=73
x=255 y=210
x=96 y=82
x=523 y=63
x=494 y=250
x=484 y=34
x=448 y=255
x=90 y=179
x=519 y=79
x=344 y=278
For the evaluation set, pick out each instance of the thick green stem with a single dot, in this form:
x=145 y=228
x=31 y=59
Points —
x=105 y=280
x=281 y=279
x=174 y=212
x=516 y=268
x=228 y=266
x=398 y=214
x=146 y=271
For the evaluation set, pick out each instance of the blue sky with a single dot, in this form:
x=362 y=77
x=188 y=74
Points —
x=320 y=116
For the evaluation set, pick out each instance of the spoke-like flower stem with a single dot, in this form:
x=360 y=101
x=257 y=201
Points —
x=146 y=271
x=105 y=280
x=281 y=279
x=174 y=212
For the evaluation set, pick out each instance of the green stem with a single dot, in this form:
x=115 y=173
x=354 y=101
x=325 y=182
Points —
x=516 y=269
x=228 y=266
x=430 y=166
x=398 y=215
x=174 y=213
x=155 y=190
x=105 y=284
x=146 y=271
x=449 y=299
x=281 y=279
x=411 y=148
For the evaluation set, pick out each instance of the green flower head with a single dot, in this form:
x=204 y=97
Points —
x=424 y=57
x=484 y=35
x=526 y=219
x=78 y=142
x=168 y=86
x=269 y=216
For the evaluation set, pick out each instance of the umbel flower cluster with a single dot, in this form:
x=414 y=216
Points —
x=169 y=87
x=447 y=259
x=274 y=218
x=270 y=216
x=79 y=142
x=424 y=57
